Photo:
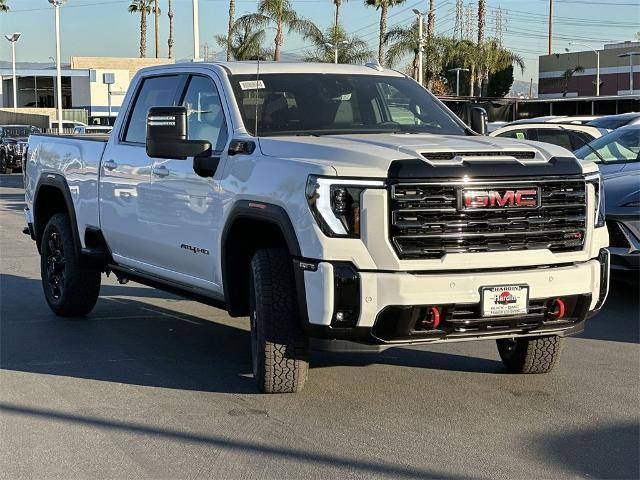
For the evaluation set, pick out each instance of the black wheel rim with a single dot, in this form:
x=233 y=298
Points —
x=253 y=314
x=55 y=265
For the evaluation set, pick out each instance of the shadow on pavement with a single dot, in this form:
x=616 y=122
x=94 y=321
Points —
x=132 y=342
x=225 y=443
x=12 y=201
x=597 y=451
x=619 y=320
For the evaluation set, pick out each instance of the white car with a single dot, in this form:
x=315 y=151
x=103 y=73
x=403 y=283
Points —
x=568 y=136
x=92 y=130
x=321 y=200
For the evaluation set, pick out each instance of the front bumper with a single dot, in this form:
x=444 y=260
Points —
x=385 y=309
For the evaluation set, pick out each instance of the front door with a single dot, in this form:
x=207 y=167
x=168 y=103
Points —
x=126 y=209
x=186 y=224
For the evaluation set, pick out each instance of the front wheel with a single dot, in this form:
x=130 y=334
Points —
x=70 y=288
x=279 y=347
x=529 y=355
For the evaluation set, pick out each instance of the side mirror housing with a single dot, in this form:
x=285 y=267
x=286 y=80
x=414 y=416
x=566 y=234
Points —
x=167 y=135
x=479 y=120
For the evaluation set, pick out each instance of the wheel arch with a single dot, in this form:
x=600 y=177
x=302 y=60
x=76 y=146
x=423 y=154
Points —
x=250 y=226
x=52 y=195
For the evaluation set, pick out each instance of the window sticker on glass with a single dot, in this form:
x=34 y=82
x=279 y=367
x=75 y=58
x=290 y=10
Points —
x=252 y=84
x=520 y=135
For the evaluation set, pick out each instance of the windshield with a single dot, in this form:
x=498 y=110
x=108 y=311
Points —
x=329 y=104
x=611 y=123
x=16 y=132
x=619 y=146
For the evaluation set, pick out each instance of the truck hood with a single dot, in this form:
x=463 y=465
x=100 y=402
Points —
x=370 y=155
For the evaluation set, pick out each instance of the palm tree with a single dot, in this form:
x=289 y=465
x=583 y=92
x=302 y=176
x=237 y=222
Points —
x=566 y=77
x=491 y=58
x=244 y=43
x=355 y=51
x=143 y=7
x=281 y=14
x=338 y=4
x=3 y=6
x=232 y=14
x=383 y=6
x=170 y=40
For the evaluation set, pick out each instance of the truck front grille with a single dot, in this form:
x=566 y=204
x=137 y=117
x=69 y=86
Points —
x=428 y=219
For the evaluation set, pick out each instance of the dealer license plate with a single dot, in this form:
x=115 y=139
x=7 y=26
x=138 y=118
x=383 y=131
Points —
x=505 y=300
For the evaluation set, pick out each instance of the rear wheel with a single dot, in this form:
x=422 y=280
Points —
x=70 y=288
x=530 y=355
x=279 y=347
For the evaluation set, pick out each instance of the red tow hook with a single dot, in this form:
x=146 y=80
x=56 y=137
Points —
x=557 y=309
x=435 y=317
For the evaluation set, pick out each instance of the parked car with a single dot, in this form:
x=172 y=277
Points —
x=575 y=120
x=321 y=200
x=67 y=125
x=92 y=130
x=568 y=136
x=618 y=156
x=611 y=122
x=13 y=145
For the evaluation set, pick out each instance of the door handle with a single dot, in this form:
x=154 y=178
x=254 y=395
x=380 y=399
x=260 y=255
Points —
x=160 y=171
x=110 y=165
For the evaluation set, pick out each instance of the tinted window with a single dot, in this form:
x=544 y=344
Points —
x=155 y=92
x=289 y=104
x=556 y=137
x=204 y=113
x=619 y=146
x=611 y=123
x=579 y=139
x=518 y=134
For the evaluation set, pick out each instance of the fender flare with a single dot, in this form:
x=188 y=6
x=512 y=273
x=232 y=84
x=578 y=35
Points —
x=58 y=182
x=260 y=211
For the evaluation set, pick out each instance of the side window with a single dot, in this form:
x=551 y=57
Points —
x=518 y=134
x=205 y=115
x=155 y=92
x=556 y=137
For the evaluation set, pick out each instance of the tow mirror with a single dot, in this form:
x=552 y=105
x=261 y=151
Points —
x=479 y=120
x=167 y=135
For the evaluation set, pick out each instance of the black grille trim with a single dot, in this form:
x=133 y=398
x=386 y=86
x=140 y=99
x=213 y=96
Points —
x=425 y=222
x=445 y=156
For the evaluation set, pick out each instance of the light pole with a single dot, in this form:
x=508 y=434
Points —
x=597 y=63
x=335 y=47
x=57 y=4
x=196 y=31
x=420 y=43
x=13 y=38
x=630 y=55
x=458 y=70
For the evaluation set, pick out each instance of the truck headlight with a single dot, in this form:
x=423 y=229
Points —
x=335 y=203
x=596 y=180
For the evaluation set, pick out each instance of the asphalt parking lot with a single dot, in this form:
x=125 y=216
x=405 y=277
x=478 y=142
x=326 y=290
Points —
x=153 y=386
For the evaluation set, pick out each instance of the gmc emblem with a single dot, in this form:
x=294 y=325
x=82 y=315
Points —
x=500 y=198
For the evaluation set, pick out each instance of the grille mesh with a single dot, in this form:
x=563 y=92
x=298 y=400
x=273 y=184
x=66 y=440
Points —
x=426 y=221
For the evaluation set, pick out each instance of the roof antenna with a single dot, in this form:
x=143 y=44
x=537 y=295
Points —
x=255 y=131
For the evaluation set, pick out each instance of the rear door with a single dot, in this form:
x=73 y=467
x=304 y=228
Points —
x=186 y=209
x=127 y=205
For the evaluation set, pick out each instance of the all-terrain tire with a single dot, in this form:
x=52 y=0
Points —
x=279 y=346
x=530 y=355
x=70 y=287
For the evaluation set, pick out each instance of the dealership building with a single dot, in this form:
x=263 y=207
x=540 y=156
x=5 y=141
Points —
x=573 y=74
x=93 y=84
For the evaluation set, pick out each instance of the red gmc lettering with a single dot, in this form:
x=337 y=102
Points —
x=526 y=198
x=493 y=198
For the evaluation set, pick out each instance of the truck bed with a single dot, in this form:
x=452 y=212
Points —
x=74 y=159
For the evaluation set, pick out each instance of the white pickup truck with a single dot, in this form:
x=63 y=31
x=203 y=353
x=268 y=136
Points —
x=332 y=201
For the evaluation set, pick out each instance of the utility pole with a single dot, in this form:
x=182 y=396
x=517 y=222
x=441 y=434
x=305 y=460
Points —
x=57 y=4
x=157 y=27
x=458 y=70
x=419 y=14
x=196 y=31
x=630 y=55
x=550 y=26
x=13 y=38
x=335 y=47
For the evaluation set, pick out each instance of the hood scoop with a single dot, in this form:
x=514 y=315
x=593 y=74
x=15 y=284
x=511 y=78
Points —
x=457 y=158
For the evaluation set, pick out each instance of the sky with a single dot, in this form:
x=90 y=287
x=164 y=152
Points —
x=105 y=28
